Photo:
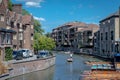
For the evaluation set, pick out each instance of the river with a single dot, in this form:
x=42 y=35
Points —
x=62 y=70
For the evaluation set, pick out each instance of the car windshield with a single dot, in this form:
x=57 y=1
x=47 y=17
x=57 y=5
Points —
x=23 y=50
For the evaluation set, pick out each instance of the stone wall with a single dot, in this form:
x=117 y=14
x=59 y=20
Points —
x=24 y=67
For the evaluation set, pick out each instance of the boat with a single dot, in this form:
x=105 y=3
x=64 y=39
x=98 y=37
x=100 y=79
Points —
x=67 y=52
x=69 y=60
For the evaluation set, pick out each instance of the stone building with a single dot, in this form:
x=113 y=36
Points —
x=109 y=35
x=96 y=49
x=69 y=36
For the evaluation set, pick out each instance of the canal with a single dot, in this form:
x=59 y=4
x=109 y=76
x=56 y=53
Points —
x=62 y=70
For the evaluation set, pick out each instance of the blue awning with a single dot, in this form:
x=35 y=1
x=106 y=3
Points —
x=7 y=30
x=117 y=55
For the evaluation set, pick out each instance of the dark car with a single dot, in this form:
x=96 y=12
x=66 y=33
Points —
x=19 y=55
x=14 y=54
x=42 y=54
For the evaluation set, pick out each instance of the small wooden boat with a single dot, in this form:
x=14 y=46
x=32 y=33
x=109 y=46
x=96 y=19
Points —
x=70 y=60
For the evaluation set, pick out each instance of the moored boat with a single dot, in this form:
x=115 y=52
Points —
x=70 y=60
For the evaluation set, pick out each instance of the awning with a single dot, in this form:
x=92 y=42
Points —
x=117 y=55
x=7 y=30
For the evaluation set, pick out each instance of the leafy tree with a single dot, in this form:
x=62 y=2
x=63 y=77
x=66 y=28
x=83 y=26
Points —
x=48 y=34
x=10 y=5
x=36 y=40
x=46 y=43
x=37 y=27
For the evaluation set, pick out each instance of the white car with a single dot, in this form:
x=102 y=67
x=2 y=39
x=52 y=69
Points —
x=25 y=53
x=30 y=53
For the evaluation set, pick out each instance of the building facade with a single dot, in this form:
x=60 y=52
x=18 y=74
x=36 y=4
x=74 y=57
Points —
x=73 y=36
x=105 y=39
x=14 y=33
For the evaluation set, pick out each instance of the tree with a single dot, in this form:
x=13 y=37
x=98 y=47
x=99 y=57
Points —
x=36 y=40
x=10 y=5
x=37 y=27
x=46 y=43
x=48 y=34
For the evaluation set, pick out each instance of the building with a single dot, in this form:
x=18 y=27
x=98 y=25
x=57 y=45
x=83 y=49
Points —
x=16 y=30
x=86 y=38
x=96 y=50
x=71 y=36
x=28 y=32
x=109 y=35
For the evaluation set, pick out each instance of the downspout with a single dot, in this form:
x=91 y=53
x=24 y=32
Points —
x=119 y=22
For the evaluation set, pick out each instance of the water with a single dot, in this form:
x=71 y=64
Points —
x=62 y=70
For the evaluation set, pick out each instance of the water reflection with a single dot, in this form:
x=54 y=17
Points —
x=39 y=75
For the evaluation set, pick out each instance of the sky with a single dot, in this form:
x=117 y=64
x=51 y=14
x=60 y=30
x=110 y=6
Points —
x=53 y=13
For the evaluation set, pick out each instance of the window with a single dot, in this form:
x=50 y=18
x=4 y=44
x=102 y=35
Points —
x=3 y=38
x=31 y=26
x=112 y=46
x=106 y=36
x=7 y=21
x=112 y=35
x=1 y=17
x=31 y=36
x=12 y=24
x=8 y=38
x=101 y=36
x=14 y=36
x=20 y=36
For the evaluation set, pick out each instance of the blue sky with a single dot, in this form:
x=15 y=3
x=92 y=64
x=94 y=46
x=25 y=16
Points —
x=52 y=13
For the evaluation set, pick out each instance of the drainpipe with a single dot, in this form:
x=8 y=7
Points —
x=119 y=22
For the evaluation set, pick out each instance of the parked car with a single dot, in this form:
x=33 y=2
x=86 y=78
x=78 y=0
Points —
x=19 y=55
x=43 y=54
x=25 y=53
x=30 y=53
x=14 y=54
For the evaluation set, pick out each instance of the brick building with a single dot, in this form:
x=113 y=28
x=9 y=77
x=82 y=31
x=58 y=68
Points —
x=16 y=30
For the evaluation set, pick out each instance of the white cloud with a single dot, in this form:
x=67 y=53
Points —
x=39 y=18
x=32 y=4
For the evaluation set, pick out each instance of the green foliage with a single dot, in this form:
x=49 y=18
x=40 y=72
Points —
x=10 y=5
x=36 y=39
x=8 y=53
x=25 y=12
x=37 y=27
x=46 y=43
x=42 y=42
x=48 y=34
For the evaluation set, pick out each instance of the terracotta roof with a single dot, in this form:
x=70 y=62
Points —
x=27 y=19
x=72 y=24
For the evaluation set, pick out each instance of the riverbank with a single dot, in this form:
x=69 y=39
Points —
x=27 y=66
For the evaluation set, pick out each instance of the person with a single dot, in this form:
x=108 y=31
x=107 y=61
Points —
x=71 y=55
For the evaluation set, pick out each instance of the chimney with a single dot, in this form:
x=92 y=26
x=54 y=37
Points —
x=6 y=3
x=17 y=8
